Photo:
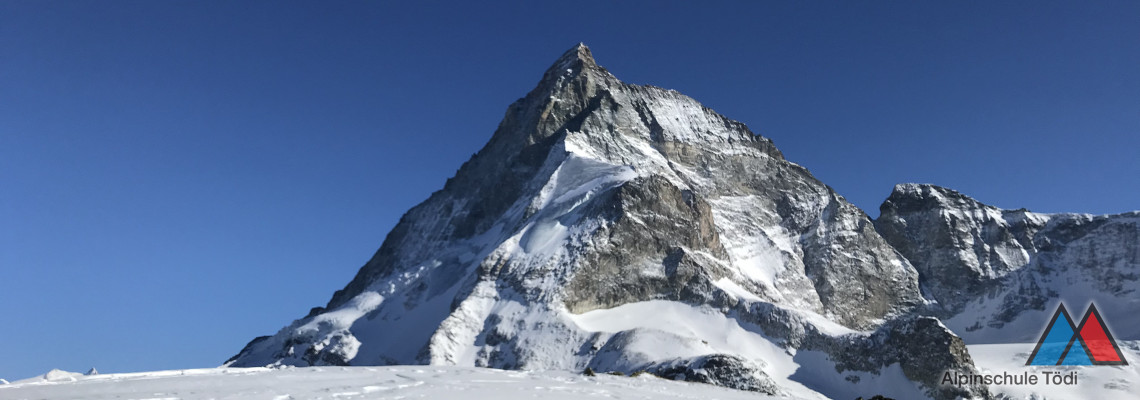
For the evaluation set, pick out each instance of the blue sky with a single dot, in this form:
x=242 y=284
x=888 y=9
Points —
x=177 y=178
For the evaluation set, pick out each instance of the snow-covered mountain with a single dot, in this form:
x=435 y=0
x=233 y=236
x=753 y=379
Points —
x=625 y=228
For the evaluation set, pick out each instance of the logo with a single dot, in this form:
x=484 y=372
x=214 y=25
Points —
x=1089 y=343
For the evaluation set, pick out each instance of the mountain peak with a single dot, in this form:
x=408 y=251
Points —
x=599 y=197
x=572 y=61
x=580 y=53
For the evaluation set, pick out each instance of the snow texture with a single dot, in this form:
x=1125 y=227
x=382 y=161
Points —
x=344 y=383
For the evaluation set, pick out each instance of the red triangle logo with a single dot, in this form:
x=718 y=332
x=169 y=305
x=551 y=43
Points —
x=1098 y=340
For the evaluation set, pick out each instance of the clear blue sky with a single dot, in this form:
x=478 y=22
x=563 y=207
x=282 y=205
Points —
x=177 y=178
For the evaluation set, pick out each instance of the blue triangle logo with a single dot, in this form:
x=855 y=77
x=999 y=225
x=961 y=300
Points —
x=1056 y=340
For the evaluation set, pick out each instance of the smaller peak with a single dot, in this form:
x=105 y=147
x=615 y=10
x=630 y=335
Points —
x=917 y=188
x=92 y=371
x=920 y=189
x=927 y=196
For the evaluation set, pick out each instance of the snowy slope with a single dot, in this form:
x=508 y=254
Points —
x=1093 y=382
x=344 y=383
x=667 y=330
x=444 y=382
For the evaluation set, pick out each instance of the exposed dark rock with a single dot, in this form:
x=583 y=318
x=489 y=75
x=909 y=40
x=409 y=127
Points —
x=721 y=370
x=922 y=346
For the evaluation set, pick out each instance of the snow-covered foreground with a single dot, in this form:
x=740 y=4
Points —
x=1093 y=382
x=400 y=382
x=433 y=382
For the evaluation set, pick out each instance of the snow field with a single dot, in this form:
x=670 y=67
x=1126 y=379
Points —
x=343 y=383
x=1093 y=382
x=664 y=330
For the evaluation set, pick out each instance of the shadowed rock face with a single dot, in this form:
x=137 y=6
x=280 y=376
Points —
x=611 y=274
x=922 y=347
x=494 y=178
x=961 y=248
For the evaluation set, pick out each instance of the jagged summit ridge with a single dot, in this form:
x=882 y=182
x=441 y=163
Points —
x=596 y=202
x=575 y=59
x=918 y=195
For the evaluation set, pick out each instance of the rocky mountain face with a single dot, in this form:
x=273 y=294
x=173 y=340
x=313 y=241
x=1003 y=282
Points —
x=985 y=267
x=625 y=228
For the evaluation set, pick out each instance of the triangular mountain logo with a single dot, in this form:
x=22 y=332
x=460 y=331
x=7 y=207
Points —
x=1064 y=343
